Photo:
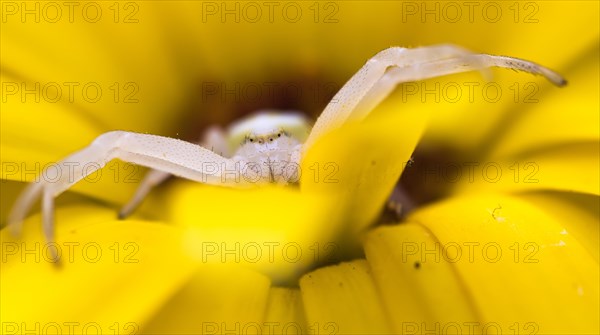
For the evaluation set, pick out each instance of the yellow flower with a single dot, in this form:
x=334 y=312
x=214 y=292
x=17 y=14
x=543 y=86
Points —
x=206 y=259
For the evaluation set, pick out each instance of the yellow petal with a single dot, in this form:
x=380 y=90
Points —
x=357 y=166
x=285 y=311
x=577 y=212
x=466 y=109
x=30 y=126
x=344 y=299
x=522 y=271
x=103 y=70
x=10 y=190
x=556 y=116
x=468 y=122
x=34 y=136
x=420 y=289
x=569 y=167
x=114 y=272
x=217 y=299
x=274 y=230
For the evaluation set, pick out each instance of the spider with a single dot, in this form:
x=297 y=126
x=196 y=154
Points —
x=268 y=145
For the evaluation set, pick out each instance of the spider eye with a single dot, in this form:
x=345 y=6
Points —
x=279 y=135
x=251 y=140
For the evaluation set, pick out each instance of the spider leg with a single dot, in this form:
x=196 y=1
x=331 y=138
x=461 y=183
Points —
x=213 y=139
x=151 y=179
x=392 y=66
x=170 y=155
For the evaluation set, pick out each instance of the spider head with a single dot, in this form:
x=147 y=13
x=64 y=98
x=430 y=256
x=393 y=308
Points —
x=270 y=144
x=265 y=138
x=266 y=127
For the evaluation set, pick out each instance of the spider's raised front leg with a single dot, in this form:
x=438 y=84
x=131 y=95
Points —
x=392 y=66
x=166 y=154
x=213 y=139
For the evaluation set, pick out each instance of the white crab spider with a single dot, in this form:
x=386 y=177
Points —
x=270 y=147
x=268 y=142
